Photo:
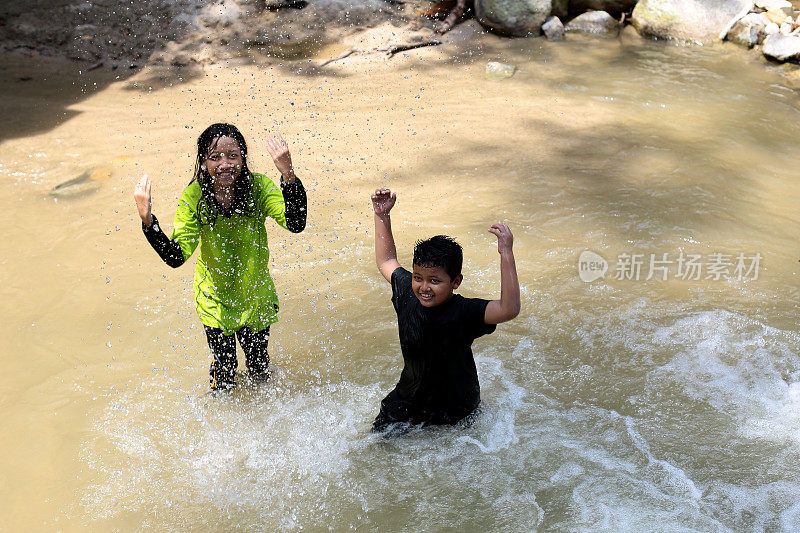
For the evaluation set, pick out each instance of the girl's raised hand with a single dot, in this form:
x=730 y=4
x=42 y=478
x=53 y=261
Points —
x=279 y=151
x=143 y=200
x=383 y=201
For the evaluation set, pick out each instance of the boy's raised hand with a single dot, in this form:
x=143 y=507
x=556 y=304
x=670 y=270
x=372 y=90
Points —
x=143 y=200
x=508 y=306
x=383 y=201
x=279 y=151
x=505 y=239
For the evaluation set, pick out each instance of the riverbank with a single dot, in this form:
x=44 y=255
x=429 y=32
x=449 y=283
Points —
x=179 y=38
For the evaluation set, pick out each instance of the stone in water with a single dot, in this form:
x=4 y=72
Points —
x=499 y=71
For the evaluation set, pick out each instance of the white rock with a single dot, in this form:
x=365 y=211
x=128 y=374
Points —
x=756 y=19
x=776 y=5
x=553 y=29
x=786 y=28
x=499 y=71
x=782 y=47
x=772 y=28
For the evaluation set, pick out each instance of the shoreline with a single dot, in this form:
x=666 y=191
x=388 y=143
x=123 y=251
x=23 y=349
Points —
x=185 y=36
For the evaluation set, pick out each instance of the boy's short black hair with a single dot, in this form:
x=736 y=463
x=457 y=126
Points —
x=440 y=251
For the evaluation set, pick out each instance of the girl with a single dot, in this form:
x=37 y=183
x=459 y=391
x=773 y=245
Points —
x=223 y=211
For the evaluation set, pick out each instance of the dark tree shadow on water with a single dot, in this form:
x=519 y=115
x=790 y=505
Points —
x=57 y=53
x=622 y=173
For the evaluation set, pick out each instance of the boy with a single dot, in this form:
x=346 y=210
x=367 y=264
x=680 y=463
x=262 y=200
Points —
x=439 y=382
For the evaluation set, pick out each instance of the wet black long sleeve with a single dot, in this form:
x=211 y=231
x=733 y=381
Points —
x=169 y=250
x=294 y=195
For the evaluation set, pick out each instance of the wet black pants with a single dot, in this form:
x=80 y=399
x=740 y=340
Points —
x=223 y=350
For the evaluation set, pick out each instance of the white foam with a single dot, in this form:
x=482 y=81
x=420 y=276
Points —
x=747 y=370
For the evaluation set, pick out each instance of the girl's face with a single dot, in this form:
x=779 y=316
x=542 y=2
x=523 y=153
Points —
x=224 y=161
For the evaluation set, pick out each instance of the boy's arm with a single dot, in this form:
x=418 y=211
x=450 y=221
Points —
x=507 y=307
x=385 y=253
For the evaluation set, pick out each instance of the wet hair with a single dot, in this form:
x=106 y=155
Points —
x=440 y=251
x=207 y=206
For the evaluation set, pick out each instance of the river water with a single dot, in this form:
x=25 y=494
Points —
x=618 y=404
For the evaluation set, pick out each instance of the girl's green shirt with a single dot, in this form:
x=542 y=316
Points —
x=232 y=285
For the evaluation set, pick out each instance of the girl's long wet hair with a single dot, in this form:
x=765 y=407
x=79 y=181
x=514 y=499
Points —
x=207 y=206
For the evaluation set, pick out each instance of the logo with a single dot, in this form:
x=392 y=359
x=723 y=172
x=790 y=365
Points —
x=591 y=266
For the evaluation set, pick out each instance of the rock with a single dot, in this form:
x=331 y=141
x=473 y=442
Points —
x=749 y=30
x=688 y=20
x=518 y=18
x=756 y=19
x=222 y=14
x=782 y=47
x=614 y=7
x=778 y=17
x=776 y=5
x=772 y=29
x=744 y=34
x=499 y=71
x=593 y=22
x=553 y=29
x=786 y=28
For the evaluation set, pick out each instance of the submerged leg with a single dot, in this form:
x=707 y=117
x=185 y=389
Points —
x=223 y=350
x=254 y=345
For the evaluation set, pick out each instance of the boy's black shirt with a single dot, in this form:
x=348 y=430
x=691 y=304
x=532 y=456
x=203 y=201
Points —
x=439 y=382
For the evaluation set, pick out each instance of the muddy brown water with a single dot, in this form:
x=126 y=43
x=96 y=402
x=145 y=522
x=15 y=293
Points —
x=611 y=405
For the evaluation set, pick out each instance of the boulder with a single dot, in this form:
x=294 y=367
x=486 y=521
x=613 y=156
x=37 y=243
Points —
x=778 y=17
x=776 y=5
x=749 y=30
x=756 y=19
x=598 y=22
x=686 y=20
x=553 y=29
x=517 y=18
x=782 y=47
x=744 y=35
x=614 y=7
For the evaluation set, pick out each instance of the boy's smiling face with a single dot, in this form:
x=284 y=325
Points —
x=432 y=285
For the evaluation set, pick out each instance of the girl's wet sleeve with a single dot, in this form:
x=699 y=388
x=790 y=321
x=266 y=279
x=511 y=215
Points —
x=286 y=205
x=169 y=250
x=294 y=196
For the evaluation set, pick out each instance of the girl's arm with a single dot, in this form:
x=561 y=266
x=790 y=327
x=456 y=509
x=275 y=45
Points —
x=508 y=306
x=385 y=252
x=294 y=194
x=168 y=249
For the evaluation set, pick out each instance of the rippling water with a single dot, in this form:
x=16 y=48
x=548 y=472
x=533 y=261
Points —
x=614 y=405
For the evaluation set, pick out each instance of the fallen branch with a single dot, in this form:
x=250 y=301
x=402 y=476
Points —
x=403 y=47
x=329 y=61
